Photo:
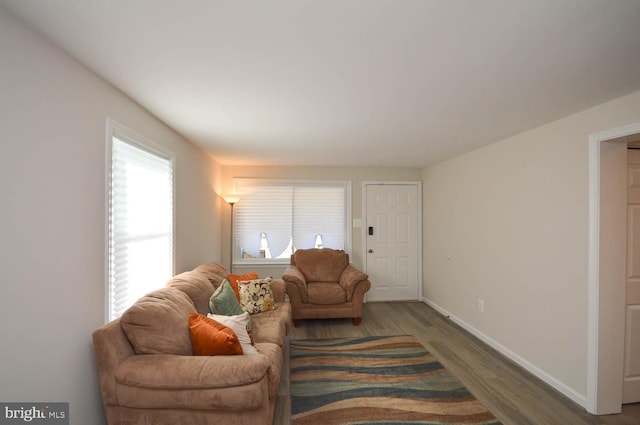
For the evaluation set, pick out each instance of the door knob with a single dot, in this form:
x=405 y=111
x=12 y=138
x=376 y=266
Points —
x=370 y=251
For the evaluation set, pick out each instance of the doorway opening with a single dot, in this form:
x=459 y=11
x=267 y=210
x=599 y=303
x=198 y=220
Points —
x=607 y=267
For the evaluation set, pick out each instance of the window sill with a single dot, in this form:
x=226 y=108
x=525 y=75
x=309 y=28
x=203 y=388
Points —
x=262 y=262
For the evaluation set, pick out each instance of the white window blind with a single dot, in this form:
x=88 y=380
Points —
x=319 y=211
x=140 y=223
x=290 y=216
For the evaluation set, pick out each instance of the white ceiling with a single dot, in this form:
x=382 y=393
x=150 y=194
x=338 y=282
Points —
x=402 y=83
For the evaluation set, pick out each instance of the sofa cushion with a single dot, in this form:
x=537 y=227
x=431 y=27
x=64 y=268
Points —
x=211 y=338
x=326 y=293
x=216 y=273
x=321 y=265
x=269 y=330
x=256 y=295
x=195 y=382
x=282 y=314
x=196 y=286
x=238 y=324
x=158 y=323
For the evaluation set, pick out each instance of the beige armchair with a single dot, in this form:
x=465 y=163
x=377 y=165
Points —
x=322 y=284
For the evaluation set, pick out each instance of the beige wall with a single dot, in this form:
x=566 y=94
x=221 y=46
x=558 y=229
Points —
x=508 y=224
x=52 y=163
x=353 y=174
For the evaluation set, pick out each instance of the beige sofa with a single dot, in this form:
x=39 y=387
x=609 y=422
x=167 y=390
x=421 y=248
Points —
x=321 y=284
x=149 y=375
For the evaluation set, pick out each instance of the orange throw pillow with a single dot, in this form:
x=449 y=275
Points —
x=234 y=278
x=211 y=338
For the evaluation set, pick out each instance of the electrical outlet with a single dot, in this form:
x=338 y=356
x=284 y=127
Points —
x=481 y=306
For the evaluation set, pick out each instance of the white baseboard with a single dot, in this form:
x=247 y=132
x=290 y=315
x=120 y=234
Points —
x=568 y=392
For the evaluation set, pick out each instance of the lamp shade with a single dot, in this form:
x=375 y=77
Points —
x=231 y=198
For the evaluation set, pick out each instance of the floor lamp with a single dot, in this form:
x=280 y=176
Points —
x=231 y=200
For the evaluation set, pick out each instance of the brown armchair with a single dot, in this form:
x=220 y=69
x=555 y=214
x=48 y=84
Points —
x=322 y=284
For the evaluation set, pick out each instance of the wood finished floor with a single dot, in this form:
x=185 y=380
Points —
x=511 y=393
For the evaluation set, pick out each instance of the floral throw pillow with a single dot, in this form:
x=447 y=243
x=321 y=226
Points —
x=256 y=295
x=234 y=278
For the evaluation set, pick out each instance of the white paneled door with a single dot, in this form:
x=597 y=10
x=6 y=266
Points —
x=392 y=241
x=631 y=386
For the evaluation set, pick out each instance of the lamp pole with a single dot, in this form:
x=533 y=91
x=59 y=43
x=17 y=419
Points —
x=231 y=240
x=231 y=199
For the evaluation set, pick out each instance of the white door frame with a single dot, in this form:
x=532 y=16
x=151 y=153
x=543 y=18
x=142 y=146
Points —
x=418 y=185
x=605 y=333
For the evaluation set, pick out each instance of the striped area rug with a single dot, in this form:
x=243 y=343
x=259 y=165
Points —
x=376 y=380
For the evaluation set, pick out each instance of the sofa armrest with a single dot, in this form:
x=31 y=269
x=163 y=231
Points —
x=293 y=274
x=279 y=290
x=168 y=371
x=112 y=348
x=350 y=278
x=294 y=278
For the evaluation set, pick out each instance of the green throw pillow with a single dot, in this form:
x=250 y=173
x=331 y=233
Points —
x=224 y=302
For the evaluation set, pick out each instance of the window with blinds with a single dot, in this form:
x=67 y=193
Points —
x=140 y=220
x=274 y=218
